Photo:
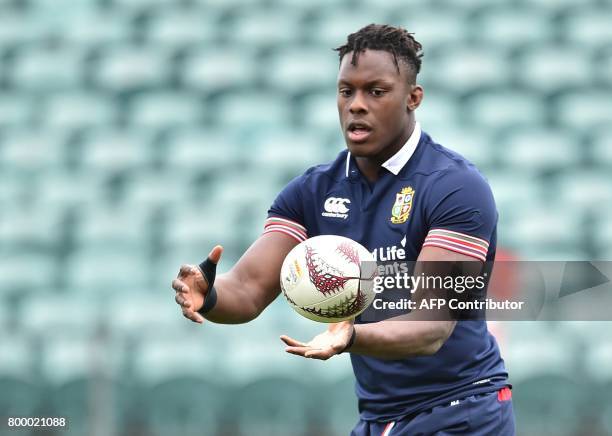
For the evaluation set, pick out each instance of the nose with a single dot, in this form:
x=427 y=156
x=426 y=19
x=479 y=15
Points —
x=358 y=104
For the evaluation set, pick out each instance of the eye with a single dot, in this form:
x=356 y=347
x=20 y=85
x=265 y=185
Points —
x=344 y=92
x=377 y=92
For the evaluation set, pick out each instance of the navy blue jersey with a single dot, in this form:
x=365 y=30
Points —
x=426 y=195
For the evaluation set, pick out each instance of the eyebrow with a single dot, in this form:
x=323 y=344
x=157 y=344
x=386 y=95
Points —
x=375 y=82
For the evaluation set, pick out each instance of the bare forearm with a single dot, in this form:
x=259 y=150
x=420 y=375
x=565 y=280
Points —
x=401 y=339
x=235 y=301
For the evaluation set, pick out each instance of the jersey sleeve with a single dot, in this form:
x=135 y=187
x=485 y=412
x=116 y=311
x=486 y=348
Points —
x=462 y=214
x=286 y=215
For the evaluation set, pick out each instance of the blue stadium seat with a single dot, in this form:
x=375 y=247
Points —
x=107 y=150
x=496 y=26
x=465 y=69
x=299 y=68
x=126 y=67
x=16 y=110
x=219 y=67
x=32 y=150
x=550 y=68
x=540 y=149
x=594 y=110
x=78 y=109
x=165 y=109
x=253 y=111
x=505 y=108
x=45 y=69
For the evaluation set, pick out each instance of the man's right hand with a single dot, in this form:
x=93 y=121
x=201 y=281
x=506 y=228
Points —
x=191 y=287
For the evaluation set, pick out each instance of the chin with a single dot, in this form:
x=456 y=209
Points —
x=362 y=150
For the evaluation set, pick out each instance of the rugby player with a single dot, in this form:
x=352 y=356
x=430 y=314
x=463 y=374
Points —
x=393 y=186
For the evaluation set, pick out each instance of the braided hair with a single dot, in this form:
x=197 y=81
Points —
x=394 y=40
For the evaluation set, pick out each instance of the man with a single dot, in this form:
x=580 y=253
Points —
x=418 y=377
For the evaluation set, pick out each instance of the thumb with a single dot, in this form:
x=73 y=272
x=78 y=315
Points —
x=215 y=254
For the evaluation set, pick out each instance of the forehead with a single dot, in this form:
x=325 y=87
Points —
x=371 y=65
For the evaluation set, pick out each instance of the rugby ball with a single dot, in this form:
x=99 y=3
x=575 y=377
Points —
x=328 y=278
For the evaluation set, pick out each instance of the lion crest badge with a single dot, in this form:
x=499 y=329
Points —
x=402 y=206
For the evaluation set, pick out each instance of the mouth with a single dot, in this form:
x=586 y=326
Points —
x=358 y=131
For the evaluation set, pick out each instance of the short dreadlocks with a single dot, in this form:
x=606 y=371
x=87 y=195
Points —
x=394 y=40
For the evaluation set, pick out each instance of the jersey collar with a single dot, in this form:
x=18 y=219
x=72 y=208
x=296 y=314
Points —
x=396 y=162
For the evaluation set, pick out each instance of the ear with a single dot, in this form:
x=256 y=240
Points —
x=414 y=98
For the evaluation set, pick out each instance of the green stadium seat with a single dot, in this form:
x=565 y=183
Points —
x=227 y=5
x=106 y=271
x=254 y=26
x=549 y=68
x=589 y=27
x=27 y=229
x=584 y=189
x=117 y=227
x=107 y=150
x=165 y=110
x=143 y=4
x=17 y=356
x=299 y=68
x=540 y=149
x=186 y=405
x=20 y=27
x=16 y=271
x=548 y=404
x=252 y=111
x=433 y=27
x=548 y=226
x=505 y=108
x=476 y=145
x=594 y=110
x=32 y=150
x=21 y=397
x=180 y=28
x=271 y=407
x=44 y=69
x=99 y=27
x=61 y=188
x=198 y=149
x=319 y=112
x=76 y=109
x=496 y=26
x=336 y=23
x=463 y=70
x=601 y=151
x=126 y=67
x=437 y=111
x=219 y=67
x=60 y=318
x=287 y=151
x=152 y=189
x=16 y=110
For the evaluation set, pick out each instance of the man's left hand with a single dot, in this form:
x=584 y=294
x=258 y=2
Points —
x=323 y=346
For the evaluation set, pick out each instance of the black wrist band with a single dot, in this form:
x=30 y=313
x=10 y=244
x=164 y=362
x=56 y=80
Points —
x=209 y=271
x=209 y=301
x=350 y=342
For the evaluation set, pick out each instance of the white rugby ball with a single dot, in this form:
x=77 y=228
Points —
x=325 y=279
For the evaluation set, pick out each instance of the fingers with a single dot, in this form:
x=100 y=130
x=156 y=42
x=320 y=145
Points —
x=179 y=286
x=182 y=301
x=292 y=342
x=193 y=316
x=187 y=270
x=215 y=254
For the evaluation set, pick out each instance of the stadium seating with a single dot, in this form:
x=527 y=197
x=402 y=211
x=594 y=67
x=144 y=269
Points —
x=137 y=134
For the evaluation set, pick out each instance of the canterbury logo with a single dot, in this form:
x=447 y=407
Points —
x=335 y=207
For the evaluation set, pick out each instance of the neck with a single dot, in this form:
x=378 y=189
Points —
x=370 y=166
